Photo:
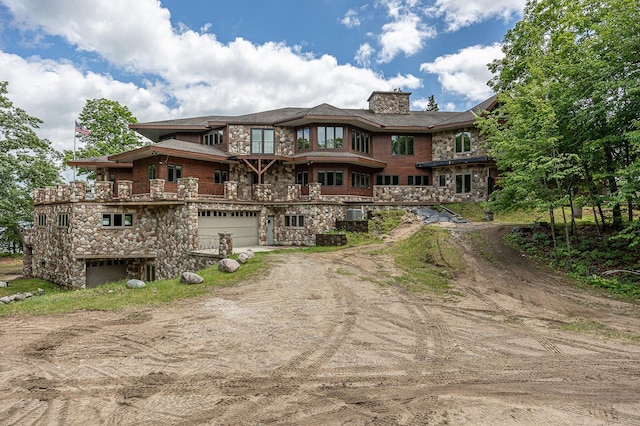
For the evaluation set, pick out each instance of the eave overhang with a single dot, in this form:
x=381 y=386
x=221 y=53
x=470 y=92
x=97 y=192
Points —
x=319 y=158
x=155 y=150
x=155 y=131
x=455 y=162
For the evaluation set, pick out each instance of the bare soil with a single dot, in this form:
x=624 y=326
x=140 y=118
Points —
x=329 y=339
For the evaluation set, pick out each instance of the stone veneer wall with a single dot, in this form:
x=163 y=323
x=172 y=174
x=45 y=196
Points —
x=444 y=145
x=318 y=218
x=240 y=139
x=390 y=102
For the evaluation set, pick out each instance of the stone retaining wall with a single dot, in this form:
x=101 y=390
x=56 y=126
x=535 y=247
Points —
x=352 y=225
x=331 y=240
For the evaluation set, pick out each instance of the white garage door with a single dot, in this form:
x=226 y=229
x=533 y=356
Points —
x=243 y=226
x=105 y=271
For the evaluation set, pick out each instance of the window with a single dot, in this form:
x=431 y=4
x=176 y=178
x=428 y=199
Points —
x=262 y=141
x=42 y=219
x=360 y=180
x=174 y=173
x=293 y=221
x=151 y=171
x=150 y=272
x=359 y=141
x=214 y=138
x=387 y=180
x=463 y=184
x=418 y=180
x=463 y=142
x=221 y=176
x=442 y=180
x=330 y=178
x=63 y=220
x=330 y=137
x=401 y=145
x=303 y=138
x=302 y=178
x=117 y=220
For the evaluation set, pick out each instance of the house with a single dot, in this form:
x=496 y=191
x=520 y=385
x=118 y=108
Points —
x=276 y=177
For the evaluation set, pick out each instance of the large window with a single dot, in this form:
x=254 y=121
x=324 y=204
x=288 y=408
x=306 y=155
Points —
x=303 y=138
x=174 y=173
x=387 y=180
x=463 y=183
x=214 y=138
x=360 y=180
x=262 y=141
x=463 y=142
x=330 y=137
x=151 y=171
x=359 y=141
x=330 y=178
x=401 y=145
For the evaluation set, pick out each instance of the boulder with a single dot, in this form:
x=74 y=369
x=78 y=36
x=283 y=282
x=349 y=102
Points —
x=243 y=258
x=135 y=284
x=4 y=284
x=249 y=253
x=5 y=299
x=228 y=265
x=191 y=278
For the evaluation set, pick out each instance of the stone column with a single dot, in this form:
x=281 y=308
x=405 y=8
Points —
x=231 y=190
x=294 y=192
x=156 y=188
x=188 y=187
x=262 y=192
x=78 y=190
x=315 y=191
x=125 y=188
x=225 y=247
x=103 y=190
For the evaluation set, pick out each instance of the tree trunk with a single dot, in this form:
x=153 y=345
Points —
x=552 y=221
x=567 y=238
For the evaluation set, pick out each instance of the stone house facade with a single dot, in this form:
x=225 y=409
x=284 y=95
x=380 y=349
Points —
x=272 y=178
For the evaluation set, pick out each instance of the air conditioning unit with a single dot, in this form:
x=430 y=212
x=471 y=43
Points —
x=355 y=214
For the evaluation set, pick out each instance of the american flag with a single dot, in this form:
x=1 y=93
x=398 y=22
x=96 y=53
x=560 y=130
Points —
x=82 y=130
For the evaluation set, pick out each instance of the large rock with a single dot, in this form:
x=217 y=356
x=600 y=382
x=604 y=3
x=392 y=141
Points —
x=228 y=265
x=4 y=284
x=245 y=256
x=5 y=299
x=135 y=284
x=191 y=278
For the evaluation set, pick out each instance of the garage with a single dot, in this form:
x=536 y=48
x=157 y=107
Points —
x=242 y=224
x=104 y=271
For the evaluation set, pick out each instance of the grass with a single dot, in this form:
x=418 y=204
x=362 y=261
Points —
x=10 y=264
x=116 y=296
x=428 y=260
x=595 y=328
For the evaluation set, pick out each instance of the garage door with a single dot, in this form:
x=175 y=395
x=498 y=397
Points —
x=105 y=271
x=243 y=226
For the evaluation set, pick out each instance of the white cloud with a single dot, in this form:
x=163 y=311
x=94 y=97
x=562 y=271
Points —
x=406 y=33
x=363 y=55
x=458 y=14
x=351 y=19
x=199 y=74
x=465 y=73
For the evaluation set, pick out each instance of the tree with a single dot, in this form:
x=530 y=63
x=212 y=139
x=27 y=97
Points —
x=107 y=130
x=432 y=105
x=570 y=75
x=26 y=162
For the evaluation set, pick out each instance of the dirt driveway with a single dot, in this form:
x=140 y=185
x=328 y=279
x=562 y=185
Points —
x=321 y=339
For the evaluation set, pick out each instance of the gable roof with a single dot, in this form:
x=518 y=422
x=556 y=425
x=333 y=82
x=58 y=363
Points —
x=176 y=147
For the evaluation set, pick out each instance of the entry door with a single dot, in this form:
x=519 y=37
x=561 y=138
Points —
x=270 y=230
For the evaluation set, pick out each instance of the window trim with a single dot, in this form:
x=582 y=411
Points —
x=331 y=175
x=387 y=180
x=360 y=180
x=360 y=141
x=109 y=220
x=215 y=137
x=63 y=220
x=325 y=137
x=418 y=180
x=294 y=221
x=151 y=171
x=42 y=219
x=463 y=183
x=302 y=178
x=220 y=176
x=174 y=172
x=303 y=134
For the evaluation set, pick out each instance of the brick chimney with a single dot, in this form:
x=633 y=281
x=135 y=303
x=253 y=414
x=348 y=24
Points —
x=396 y=102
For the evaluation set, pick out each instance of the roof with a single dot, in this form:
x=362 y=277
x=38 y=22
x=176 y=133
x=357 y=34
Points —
x=92 y=163
x=176 y=147
x=416 y=121
x=453 y=162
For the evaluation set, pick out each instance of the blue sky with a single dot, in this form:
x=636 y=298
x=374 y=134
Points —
x=180 y=58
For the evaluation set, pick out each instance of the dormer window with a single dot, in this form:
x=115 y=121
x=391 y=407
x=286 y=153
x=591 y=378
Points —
x=214 y=138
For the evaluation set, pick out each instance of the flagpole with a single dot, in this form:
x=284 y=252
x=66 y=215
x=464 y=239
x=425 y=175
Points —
x=74 y=150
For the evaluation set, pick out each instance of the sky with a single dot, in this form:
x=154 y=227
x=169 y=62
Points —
x=168 y=59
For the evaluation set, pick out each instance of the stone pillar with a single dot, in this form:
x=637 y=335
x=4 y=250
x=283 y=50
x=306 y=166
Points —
x=78 y=190
x=156 y=188
x=225 y=246
x=315 y=191
x=125 y=189
x=62 y=193
x=188 y=187
x=231 y=190
x=294 y=192
x=27 y=255
x=103 y=190
x=38 y=196
x=262 y=192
